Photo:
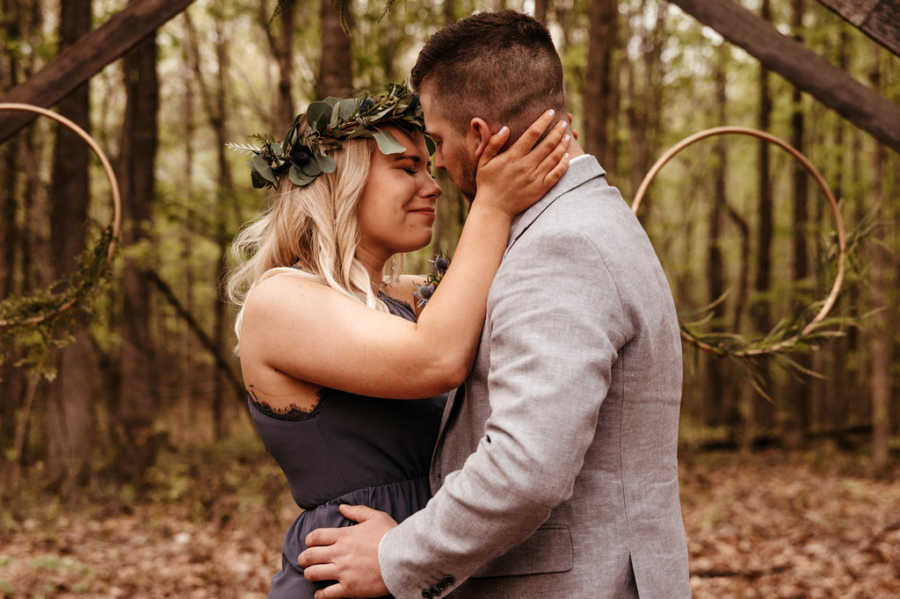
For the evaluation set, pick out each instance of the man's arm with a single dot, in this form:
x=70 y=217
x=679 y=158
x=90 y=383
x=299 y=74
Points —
x=557 y=324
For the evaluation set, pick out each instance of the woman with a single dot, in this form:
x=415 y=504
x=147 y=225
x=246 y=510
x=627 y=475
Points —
x=320 y=343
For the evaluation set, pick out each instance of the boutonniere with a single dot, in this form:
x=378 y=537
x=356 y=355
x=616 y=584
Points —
x=439 y=266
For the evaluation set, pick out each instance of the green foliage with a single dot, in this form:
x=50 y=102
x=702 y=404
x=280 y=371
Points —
x=36 y=325
x=325 y=126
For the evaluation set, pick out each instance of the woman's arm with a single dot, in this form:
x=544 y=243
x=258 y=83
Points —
x=313 y=333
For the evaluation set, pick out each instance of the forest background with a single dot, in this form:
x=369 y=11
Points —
x=127 y=446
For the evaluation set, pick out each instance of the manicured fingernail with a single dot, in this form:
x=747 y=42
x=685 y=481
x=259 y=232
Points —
x=566 y=155
x=551 y=112
x=567 y=138
x=563 y=124
x=503 y=129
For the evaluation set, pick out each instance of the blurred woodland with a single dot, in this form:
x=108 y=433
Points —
x=134 y=398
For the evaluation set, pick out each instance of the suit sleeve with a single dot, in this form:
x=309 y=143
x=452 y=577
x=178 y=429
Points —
x=557 y=322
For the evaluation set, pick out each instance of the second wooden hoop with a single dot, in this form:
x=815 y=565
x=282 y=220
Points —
x=835 y=210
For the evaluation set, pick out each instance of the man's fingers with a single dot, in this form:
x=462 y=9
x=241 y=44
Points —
x=358 y=513
x=323 y=536
x=321 y=572
x=314 y=555
x=335 y=591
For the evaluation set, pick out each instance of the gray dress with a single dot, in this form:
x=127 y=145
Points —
x=351 y=449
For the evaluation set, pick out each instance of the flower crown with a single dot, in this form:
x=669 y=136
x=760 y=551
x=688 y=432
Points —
x=326 y=124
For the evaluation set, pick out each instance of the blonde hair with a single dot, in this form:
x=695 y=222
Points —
x=311 y=232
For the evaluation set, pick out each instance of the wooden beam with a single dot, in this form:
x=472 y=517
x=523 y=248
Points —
x=86 y=57
x=801 y=66
x=879 y=19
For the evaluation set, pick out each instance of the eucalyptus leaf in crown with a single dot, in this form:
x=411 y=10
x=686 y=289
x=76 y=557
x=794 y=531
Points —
x=302 y=155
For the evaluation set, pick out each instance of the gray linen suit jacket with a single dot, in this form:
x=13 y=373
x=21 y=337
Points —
x=555 y=471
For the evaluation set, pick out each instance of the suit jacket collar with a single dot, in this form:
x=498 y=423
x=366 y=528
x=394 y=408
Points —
x=581 y=171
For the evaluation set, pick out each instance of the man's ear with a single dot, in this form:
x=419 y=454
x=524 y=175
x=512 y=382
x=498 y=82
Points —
x=477 y=136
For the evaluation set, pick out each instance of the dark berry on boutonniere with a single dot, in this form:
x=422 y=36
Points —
x=441 y=263
x=366 y=104
x=413 y=103
x=423 y=293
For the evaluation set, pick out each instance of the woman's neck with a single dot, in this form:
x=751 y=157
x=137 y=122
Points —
x=373 y=262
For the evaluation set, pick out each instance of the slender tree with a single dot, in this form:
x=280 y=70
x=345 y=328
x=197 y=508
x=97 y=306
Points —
x=715 y=394
x=138 y=392
x=335 y=59
x=70 y=422
x=599 y=121
x=760 y=308
x=281 y=46
x=879 y=329
x=798 y=409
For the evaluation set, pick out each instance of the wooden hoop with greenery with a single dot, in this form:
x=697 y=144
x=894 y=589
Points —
x=43 y=307
x=782 y=338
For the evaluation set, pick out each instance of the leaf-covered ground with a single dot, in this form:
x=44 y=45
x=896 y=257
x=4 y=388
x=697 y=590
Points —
x=772 y=524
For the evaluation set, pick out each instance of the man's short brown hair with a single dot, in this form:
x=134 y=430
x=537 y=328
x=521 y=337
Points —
x=499 y=66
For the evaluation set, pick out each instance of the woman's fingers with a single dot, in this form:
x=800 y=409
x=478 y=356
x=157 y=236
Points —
x=556 y=139
x=527 y=140
x=494 y=144
x=554 y=157
x=553 y=177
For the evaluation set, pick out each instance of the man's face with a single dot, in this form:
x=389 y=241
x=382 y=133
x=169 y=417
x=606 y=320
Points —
x=452 y=153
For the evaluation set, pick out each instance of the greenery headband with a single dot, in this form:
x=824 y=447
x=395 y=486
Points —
x=302 y=155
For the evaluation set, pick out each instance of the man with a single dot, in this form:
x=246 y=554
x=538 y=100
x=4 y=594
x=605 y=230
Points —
x=555 y=472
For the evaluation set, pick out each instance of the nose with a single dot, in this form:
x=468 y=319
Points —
x=432 y=189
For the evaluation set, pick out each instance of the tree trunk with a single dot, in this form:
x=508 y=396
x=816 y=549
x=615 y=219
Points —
x=88 y=56
x=879 y=19
x=70 y=425
x=10 y=21
x=336 y=61
x=761 y=307
x=598 y=89
x=449 y=10
x=540 y=11
x=189 y=377
x=797 y=411
x=139 y=141
x=880 y=326
x=837 y=384
x=807 y=70
x=282 y=48
x=715 y=393
x=214 y=103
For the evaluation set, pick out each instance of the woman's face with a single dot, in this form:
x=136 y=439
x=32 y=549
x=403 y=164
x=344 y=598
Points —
x=396 y=210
